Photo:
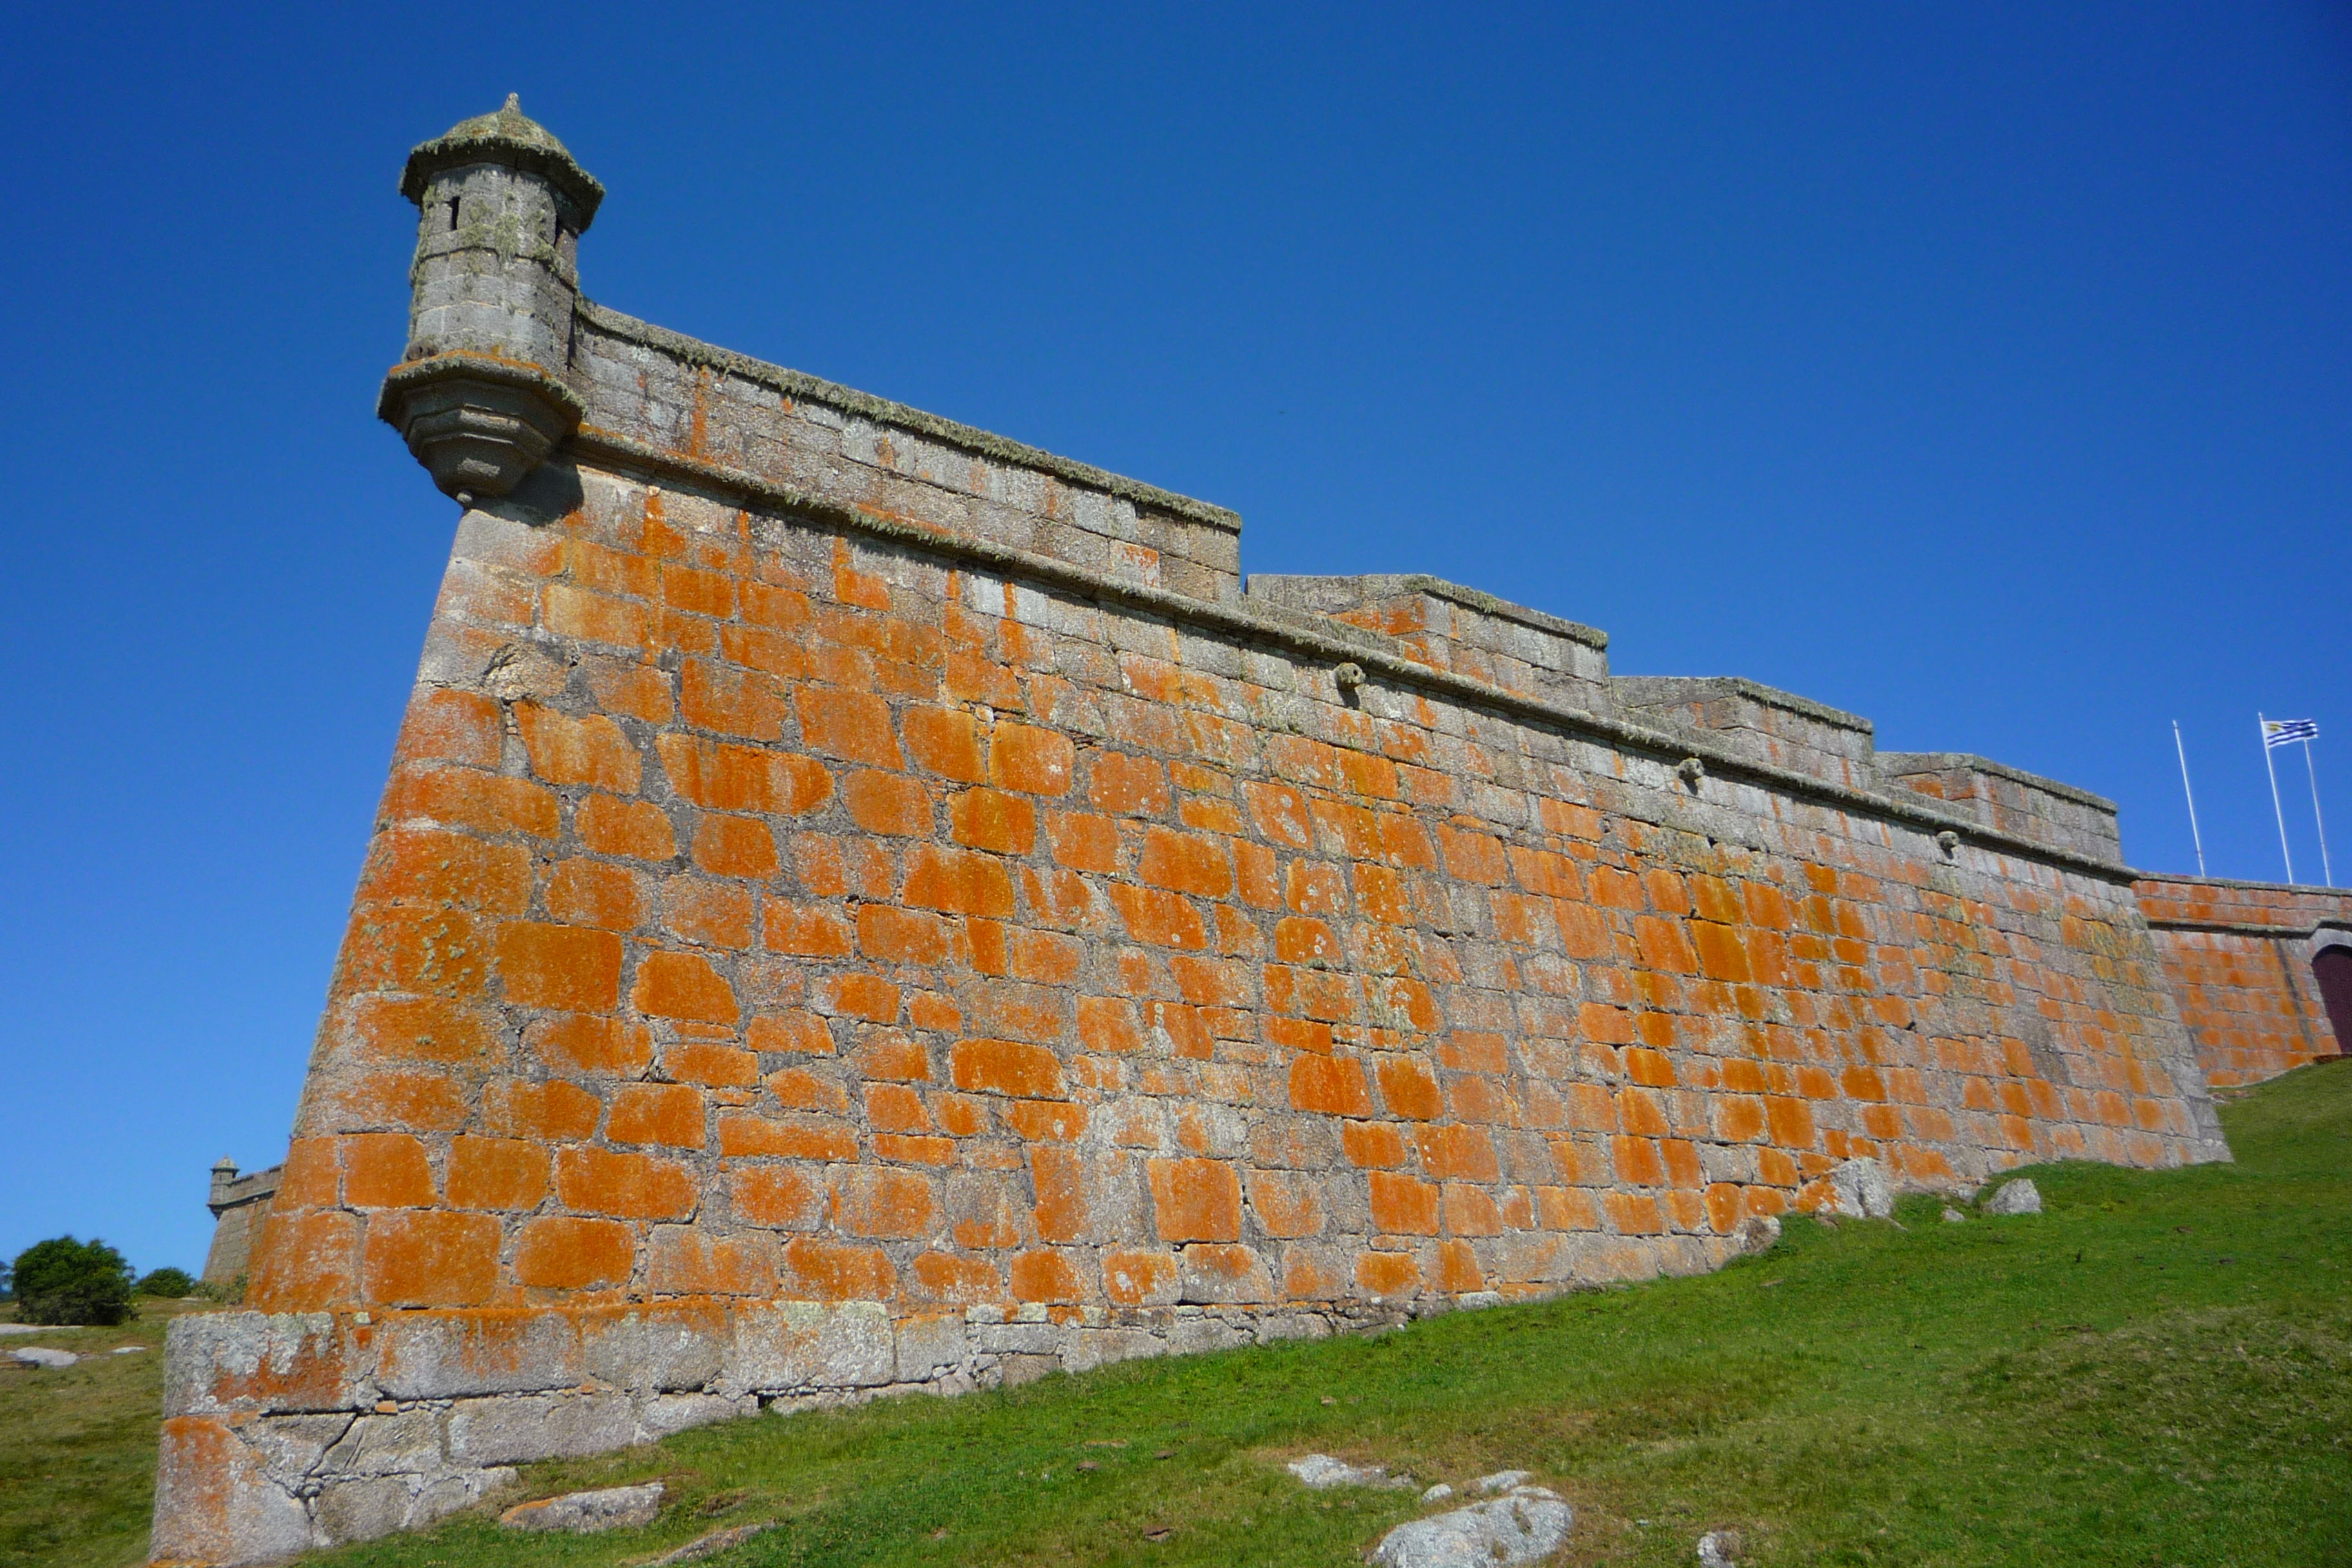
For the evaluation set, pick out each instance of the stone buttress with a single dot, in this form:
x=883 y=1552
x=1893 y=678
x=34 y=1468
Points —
x=861 y=904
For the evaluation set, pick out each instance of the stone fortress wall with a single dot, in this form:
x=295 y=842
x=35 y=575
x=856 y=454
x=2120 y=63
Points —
x=2262 y=974
x=861 y=904
x=237 y=1204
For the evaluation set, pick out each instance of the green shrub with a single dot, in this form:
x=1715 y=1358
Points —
x=62 y=1280
x=169 y=1283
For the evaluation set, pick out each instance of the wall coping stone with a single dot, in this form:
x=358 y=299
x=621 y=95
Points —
x=2153 y=885
x=1928 y=761
x=611 y=446
x=971 y=438
x=1394 y=584
x=2304 y=889
x=1645 y=690
x=2235 y=927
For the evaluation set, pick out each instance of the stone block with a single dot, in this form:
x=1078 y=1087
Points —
x=1083 y=1350
x=215 y=1502
x=1016 y=1339
x=258 y=1361
x=362 y=1508
x=1224 y=1273
x=929 y=1345
x=1012 y=1370
x=660 y=1348
x=663 y=1413
x=796 y=1345
x=293 y=1449
x=405 y=1443
x=1189 y=1336
x=516 y=1429
x=1861 y=1190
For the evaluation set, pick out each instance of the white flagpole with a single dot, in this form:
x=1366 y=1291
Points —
x=2276 y=810
x=2194 y=836
x=2327 y=872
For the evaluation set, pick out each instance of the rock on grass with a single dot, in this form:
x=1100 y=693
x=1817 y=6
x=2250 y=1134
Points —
x=1320 y=1472
x=1526 y=1525
x=2020 y=1197
x=581 y=1513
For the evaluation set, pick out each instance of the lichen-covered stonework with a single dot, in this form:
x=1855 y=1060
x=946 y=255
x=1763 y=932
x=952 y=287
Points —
x=860 y=904
x=2239 y=958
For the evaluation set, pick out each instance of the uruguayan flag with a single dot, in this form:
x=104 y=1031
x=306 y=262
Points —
x=2287 y=731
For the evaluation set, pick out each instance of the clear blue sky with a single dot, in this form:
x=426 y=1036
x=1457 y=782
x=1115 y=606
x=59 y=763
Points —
x=1981 y=369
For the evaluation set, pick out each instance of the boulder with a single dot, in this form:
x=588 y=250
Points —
x=1527 y=1524
x=1756 y=1234
x=2020 y=1197
x=1859 y=1189
x=41 y=1355
x=1954 y=1216
x=1719 y=1548
x=1503 y=1480
x=582 y=1513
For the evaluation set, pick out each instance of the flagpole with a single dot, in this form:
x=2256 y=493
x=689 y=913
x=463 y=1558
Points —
x=2327 y=872
x=2194 y=836
x=2278 y=810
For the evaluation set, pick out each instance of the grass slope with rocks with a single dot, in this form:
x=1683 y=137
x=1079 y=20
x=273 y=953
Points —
x=2155 y=1370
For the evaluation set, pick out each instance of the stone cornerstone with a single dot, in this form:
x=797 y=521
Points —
x=862 y=904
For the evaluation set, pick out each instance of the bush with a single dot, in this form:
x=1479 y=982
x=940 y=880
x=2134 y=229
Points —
x=62 y=1280
x=169 y=1283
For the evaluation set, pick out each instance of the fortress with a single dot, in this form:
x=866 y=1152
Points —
x=862 y=905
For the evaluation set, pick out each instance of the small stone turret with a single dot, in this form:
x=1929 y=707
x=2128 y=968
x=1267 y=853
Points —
x=481 y=395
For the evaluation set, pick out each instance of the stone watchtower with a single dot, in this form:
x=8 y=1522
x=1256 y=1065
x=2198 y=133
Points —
x=484 y=391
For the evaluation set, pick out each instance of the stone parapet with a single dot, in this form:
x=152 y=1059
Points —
x=1775 y=727
x=2217 y=904
x=2011 y=800
x=678 y=396
x=1450 y=627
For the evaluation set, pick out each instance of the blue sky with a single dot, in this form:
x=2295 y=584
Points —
x=1978 y=369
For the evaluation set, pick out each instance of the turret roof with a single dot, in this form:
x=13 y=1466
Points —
x=506 y=136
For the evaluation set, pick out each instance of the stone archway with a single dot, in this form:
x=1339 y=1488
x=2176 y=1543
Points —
x=2331 y=967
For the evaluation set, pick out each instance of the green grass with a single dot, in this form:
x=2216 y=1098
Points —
x=77 y=1445
x=2156 y=1371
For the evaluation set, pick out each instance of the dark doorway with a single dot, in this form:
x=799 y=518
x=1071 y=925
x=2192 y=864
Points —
x=2332 y=968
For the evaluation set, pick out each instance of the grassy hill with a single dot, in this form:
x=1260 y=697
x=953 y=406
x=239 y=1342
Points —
x=2157 y=1371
